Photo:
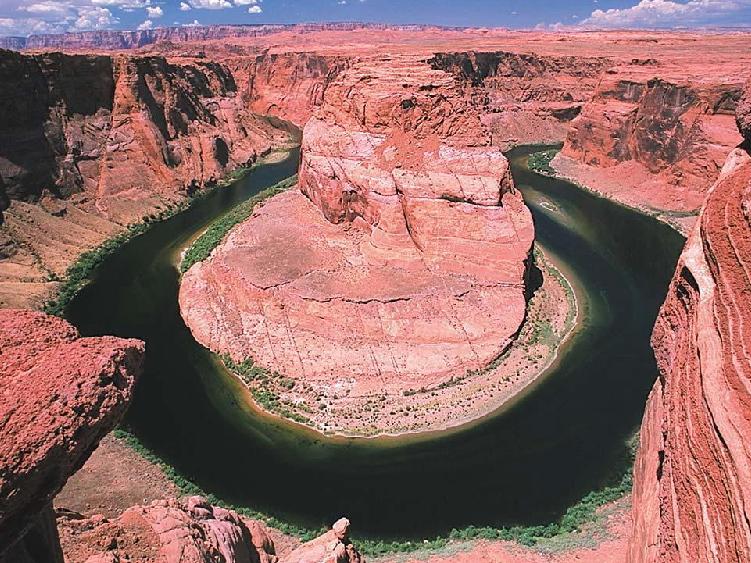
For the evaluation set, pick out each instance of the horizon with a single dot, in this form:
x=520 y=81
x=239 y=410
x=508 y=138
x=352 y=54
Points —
x=23 y=18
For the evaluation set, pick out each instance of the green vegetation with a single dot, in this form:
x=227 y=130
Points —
x=213 y=236
x=262 y=383
x=80 y=272
x=540 y=161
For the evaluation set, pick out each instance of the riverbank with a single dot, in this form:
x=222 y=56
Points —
x=80 y=271
x=597 y=182
x=551 y=319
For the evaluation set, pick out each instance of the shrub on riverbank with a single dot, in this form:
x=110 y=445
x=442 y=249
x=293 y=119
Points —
x=201 y=249
x=540 y=161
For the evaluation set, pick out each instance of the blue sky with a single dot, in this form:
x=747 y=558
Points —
x=22 y=17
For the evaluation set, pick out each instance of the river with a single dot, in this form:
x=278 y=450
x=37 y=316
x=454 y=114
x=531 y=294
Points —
x=523 y=465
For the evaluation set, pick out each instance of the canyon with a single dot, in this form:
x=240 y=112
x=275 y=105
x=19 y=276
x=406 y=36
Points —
x=405 y=212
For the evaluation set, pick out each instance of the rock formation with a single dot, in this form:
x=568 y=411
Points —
x=693 y=472
x=60 y=395
x=191 y=531
x=654 y=143
x=332 y=547
x=401 y=260
x=167 y=531
x=525 y=98
x=74 y=169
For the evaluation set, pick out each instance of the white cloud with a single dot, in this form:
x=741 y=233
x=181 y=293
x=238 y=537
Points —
x=665 y=13
x=210 y=4
x=184 y=7
x=195 y=23
x=154 y=12
x=255 y=9
x=27 y=26
x=92 y=18
x=49 y=8
x=246 y=2
x=123 y=4
x=145 y=25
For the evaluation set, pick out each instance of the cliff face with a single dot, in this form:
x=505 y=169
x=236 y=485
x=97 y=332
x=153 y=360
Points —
x=652 y=142
x=90 y=143
x=693 y=473
x=287 y=85
x=60 y=395
x=525 y=98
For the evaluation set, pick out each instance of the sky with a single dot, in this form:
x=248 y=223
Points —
x=24 y=17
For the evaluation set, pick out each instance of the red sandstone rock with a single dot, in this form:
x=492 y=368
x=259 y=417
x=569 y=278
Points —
x=168 y=531
x=332 y=547
x=59 y=395
x=652 y=137
x=403 y=266
x=75 y=168
x=693 y=473
x=743 y=113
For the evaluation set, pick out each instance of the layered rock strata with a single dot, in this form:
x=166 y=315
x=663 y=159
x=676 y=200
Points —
x=652 y=138
x=693 y=472
x=525 y=98
x=60 y=395
x=400 y=261
x=75 y=168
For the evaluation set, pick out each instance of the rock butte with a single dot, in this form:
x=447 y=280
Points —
x=176 y=112
x=400 y=261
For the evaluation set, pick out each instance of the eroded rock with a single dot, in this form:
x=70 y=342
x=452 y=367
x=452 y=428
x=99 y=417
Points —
x=167 y=531
x=400 y=262
x=59 y=395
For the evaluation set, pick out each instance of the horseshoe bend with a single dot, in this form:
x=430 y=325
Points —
x=344 y=291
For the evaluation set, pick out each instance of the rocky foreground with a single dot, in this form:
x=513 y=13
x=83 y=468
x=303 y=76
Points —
x=61 y=394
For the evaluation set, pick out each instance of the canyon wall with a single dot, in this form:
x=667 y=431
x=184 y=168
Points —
x=692 y=490
x=651 y=138
x=287 y=85
x=89 y=144
x=525 y=98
